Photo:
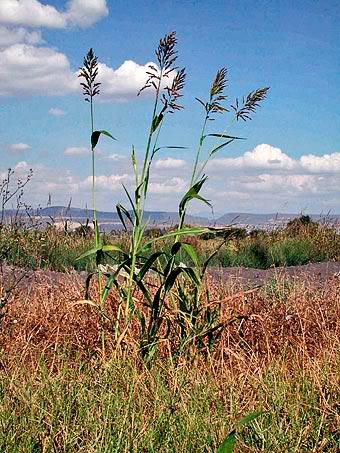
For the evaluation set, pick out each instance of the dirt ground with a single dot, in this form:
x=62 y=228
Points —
x=315 y=275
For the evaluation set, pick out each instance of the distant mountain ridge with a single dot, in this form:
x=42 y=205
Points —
x=158 y=217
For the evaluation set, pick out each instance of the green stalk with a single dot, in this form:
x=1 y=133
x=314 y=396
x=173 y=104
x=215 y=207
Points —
x=97 y=238
x=137 y=225
x=198 y=153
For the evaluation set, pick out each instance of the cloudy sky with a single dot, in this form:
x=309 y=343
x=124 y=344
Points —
x=290 y=160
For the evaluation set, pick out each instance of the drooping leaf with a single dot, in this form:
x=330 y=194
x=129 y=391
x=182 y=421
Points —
x=182 y=232
x=120 y=211
x=228 y=444
x=224 y=136
x=193 y=193
x=172 y=277
x=88 y=253
x=95 y=137
x=112 y=248
x=156 y=122
x=132 y=205
x=249 y=418
x=87 y=284
x=193 y=275
x=148 y=264
x=190 y=250
x=175 y=248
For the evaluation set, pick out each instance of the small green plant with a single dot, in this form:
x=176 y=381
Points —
x=229 y=442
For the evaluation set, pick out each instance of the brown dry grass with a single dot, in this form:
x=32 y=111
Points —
x=282 y=356
x=291 y=318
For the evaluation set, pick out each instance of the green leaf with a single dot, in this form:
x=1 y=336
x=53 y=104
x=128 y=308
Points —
x=156 y=122
x=183 y=231
x=88 y=253
x=249 y=418
x=193 y=275
x=132 y=205
x=148 y=264
x=120 y=211
x=95 y=137
x=189 y=249
x=217 y=148
x=223 y=136
x=175 y=248
x=112 y=248
x=192 y=193
x=228 y=444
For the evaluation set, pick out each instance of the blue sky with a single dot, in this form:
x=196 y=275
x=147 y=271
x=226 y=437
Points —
x=291 y=158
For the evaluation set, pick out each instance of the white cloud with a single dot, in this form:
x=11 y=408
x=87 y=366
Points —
x=55 y=111
x=18 y=147
x=28 y=70
x=86 y=12
x=9 y=36
x=328 y=163
x=114 y=157
x=33 y=13
x=172 y=185
x=231 y=188
x=42 y=71
x=169 y=162
x=77 y=151
x=263 y=156
x=122 y=83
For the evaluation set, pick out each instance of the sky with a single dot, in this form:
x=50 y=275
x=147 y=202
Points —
x=290 y=158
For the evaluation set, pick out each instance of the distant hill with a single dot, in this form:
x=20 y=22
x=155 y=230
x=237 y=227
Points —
x=157 y=217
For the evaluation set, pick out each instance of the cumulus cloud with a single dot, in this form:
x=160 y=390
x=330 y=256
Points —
x=170 y=162
x=28 y=70
x=18 y=147
x=263 y=156
x=122 y=83
x=85 y=12
x=55 y=111
x=33 y=13
x=172 y=185
x=114 y=157
x=306 y=182
x=328 y=163
x=77 y=151
x=9 y=36
x=267 y=157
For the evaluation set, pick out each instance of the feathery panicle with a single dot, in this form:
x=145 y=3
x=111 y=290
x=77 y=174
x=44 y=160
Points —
x=174 y=92
x=89 y=72
x=249 y=104
x=216 y=94
x=166 y=57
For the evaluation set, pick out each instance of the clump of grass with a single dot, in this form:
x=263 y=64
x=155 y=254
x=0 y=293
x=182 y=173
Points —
x=174 y=284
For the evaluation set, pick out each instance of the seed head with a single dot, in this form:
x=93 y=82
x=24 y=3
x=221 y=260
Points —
x=166 y=57
x=249 y=104
x=89 y=72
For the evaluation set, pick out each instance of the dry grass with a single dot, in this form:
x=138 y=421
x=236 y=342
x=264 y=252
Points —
x=282 y=357
x=281 y=316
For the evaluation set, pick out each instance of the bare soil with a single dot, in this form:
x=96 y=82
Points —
x=316 y=275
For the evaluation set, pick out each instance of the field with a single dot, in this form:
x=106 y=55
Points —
x=278 y=353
